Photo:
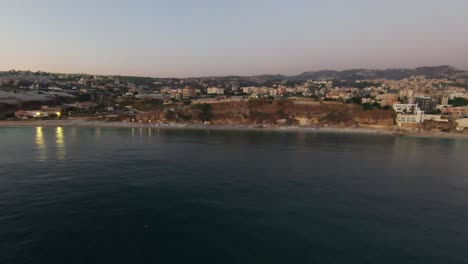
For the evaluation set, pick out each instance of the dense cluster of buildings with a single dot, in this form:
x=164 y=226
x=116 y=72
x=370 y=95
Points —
x=414 y=99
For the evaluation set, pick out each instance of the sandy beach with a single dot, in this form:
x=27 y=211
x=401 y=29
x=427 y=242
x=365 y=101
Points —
x=370 y=131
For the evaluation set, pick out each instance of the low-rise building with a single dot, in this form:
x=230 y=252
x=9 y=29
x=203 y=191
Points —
x=460 y=110
x=176 y=94
x=442 y=99
x=436 y=118
x=273 y=92
x=83 y=105
x=52 y=111
x=408 y=114
x=26 y=114
x=334 y=96
x=189 y=92
x=247 y=90
x=389 y=99
x=405 y=108
x=152 y=96
x=215 y=90
x=409 y=119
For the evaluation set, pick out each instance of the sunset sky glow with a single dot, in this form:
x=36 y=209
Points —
x=246 y=37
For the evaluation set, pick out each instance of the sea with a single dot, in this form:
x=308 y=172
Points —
x=130 y=195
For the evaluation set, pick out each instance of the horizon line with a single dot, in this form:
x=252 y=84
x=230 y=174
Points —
x=238 y=75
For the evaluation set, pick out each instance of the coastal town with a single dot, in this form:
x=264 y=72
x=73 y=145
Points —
x=425 y=99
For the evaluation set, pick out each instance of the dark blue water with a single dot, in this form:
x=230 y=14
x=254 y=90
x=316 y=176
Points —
x=86 y=195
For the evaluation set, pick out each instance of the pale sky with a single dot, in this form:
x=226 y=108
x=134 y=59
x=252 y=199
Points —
x=181 y=38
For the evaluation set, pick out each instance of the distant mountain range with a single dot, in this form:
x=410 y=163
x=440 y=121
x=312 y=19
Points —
x=433 y=72
x=443 y=71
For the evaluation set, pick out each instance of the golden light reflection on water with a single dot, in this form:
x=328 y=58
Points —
x=144 y=132
x=40 y=144
x=60 y=143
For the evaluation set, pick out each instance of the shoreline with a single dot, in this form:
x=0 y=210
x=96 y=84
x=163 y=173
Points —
x=272 y=128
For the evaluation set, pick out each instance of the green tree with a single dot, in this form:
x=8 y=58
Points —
x=458 y=101
x=367 y=106
x=355 y=100
x=387 y=107
x=206 y=111
x=170 y=115
x=83 y=97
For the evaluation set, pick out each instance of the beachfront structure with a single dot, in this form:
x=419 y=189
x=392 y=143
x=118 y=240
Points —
x=436 y=118
x=52 y=111
x=408 y=114
x=409 y=119
x=27 y=114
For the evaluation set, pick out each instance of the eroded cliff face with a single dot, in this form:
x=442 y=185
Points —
x=271 y=112
x=375 y=118
x=288 y=113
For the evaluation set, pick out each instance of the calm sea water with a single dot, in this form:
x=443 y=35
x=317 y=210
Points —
x=95 y=195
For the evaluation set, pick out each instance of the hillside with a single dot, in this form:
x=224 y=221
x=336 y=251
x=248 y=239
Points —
x=436 y=72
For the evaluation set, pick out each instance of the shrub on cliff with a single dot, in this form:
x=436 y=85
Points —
x=204 y=111
x=256 y=103
x=337 y=117
x=261 y=117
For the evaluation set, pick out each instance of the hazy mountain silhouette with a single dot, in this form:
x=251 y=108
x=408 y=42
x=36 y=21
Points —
x=443 y=71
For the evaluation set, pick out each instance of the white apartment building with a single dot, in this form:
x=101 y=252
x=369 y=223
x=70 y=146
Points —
x=215 y=90
x=273 y=92
x=247 y=90
x=408 y=114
